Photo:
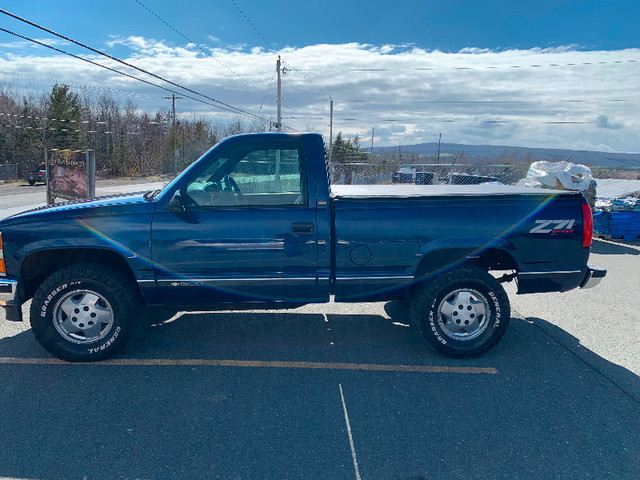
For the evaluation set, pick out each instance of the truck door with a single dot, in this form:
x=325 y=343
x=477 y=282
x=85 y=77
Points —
x=241 y=228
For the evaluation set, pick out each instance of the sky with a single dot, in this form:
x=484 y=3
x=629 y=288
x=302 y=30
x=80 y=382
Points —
x=556 y=74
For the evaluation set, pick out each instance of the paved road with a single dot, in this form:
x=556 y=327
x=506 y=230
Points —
x=17 y=197
x=338 y=392
x=166 y=408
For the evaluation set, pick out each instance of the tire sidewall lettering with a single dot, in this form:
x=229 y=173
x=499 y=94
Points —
x=45 y=306
x=107 y=344
x=496 y=309
x=433 y=322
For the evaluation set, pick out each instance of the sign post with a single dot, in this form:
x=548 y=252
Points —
x=91 y=173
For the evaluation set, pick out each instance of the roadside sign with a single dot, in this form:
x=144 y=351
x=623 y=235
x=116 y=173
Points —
x=70 y=174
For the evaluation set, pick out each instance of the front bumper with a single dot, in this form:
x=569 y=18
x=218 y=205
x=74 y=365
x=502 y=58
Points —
x=9 y=300
x=593 y=276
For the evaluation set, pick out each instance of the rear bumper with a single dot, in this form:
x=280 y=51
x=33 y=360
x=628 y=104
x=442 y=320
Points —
x=559 y=280
x=593 y=276
x=9 y=299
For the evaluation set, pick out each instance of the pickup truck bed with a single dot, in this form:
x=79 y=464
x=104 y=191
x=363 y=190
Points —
x=498 y=238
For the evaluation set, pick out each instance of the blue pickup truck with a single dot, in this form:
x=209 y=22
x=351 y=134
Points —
x=254 y=223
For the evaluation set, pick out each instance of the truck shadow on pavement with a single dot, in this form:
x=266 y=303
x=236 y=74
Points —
x=357 y=338
x=554 y=409
x=610 y=248
x=619 y=376
x=290 y=335
x=281 y=336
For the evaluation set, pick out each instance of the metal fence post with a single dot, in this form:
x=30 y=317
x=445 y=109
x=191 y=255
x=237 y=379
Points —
x=91 y=173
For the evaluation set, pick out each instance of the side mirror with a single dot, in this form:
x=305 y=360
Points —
x=176 y=204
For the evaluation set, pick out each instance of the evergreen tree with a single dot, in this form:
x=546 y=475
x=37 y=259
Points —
x=28 y=142
x=65 y=115
x=347 y=151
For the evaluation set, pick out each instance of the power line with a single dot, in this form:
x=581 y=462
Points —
x=208 y=53
x=254 y=27
x=235 y=110
x=71 y=127
x=121 y=73
x=225 y=105
x=273 y=77
x=484 y=102
x=47 y=119
x=83 y=85
x=291 y=67
x=487 y=67
x=438 y=120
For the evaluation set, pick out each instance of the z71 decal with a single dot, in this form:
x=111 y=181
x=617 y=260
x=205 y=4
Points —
x=557 y=226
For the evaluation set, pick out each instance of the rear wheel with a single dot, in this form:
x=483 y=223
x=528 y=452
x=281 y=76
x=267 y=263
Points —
x=461 y=313
x=83 y=312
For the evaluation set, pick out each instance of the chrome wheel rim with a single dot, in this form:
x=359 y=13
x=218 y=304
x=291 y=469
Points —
x=463 y=314
x=83 y=317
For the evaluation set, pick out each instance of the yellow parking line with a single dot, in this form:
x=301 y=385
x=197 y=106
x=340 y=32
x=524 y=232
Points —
x=256 y=364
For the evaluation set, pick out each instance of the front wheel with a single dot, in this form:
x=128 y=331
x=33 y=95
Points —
x=82 y=313
x=461 y=313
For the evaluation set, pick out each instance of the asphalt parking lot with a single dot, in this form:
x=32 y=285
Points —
x=338 y=392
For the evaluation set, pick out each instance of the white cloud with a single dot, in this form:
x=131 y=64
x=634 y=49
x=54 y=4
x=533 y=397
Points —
x=604 y=121
x=408 y=94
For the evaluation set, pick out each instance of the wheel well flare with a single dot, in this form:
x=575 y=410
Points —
x=444 y=260
x=38 y=266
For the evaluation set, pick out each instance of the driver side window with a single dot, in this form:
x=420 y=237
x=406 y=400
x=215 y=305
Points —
x=257 y=176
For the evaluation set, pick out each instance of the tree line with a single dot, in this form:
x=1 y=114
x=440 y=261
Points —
x=126 y=140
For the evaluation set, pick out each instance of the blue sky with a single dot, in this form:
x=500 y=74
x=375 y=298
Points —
x=448 y=25
x=547 y=73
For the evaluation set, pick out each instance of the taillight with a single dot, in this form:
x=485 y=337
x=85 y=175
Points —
x=587 y=225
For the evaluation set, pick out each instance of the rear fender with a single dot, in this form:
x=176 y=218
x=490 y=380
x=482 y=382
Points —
x=442 y=255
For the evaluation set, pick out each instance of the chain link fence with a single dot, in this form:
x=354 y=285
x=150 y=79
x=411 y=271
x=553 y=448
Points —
x=8 y=171
x=616 y=200
x=612 y=183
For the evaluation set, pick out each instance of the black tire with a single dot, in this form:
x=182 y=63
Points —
x=32 y=182
x=83 y=313
x=462 y=313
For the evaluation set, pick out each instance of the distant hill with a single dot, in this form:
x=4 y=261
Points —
x=482 y=153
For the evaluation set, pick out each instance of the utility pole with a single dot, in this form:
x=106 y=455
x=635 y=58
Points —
x=373 y=134
x=279 y=122
x=439 y=138
x=330 y=129
x=173 y=99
